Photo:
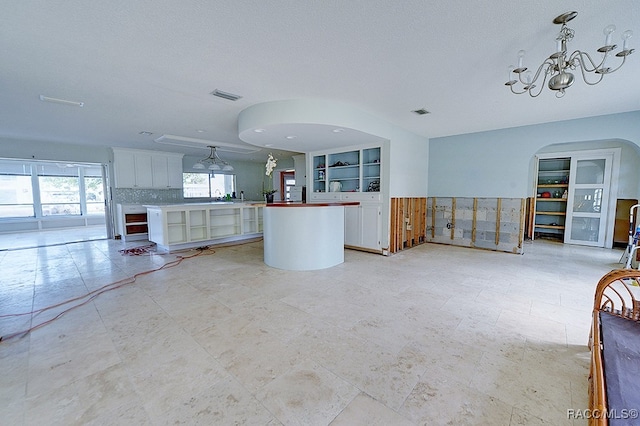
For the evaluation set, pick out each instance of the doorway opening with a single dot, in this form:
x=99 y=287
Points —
x=287 y=181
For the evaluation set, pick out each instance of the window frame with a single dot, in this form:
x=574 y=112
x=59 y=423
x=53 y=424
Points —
x=211 y=191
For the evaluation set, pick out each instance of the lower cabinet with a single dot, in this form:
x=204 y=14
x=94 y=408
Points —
x=362 y=225
x=131 y=222
x=183 y=226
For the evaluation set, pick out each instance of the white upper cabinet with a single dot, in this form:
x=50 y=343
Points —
x=147 y=169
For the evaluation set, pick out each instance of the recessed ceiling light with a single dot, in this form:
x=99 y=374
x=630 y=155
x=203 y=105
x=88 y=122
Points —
x=145 y=133
x=420 y=111
x=291 y=137
x=268 y=144
x=200 y=130
x=259 y=130
x=61 y=101
x=338 y=130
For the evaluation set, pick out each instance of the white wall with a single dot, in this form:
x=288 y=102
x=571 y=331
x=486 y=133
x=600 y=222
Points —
x=408 y=163
x=249 y=175
x=37 y=150
x=498 y=163
x=407 y=152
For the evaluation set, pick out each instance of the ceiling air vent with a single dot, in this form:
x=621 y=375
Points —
x=421 y=111
x=225 y=95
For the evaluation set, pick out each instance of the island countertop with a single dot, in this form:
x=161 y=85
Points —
x=324 y=204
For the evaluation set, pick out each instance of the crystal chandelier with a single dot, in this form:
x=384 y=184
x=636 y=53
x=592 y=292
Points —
x=557 y=67
x=213 y=162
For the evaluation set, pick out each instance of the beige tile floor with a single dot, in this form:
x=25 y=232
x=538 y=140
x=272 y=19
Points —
x=434 y=335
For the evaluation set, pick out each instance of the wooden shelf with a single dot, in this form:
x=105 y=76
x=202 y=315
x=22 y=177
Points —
x=551 y=199
x=552 y=213
x=550 y=226
x=553 y=185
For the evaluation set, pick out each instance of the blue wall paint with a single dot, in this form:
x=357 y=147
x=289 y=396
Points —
x=498 y=163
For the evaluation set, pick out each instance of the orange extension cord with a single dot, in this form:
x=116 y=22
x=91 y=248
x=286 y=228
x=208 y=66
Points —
x=95 y=293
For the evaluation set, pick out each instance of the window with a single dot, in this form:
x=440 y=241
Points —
x=93 y=190
x=204 y=185
x=16 y=191
x=41 y=189
x=59 y=189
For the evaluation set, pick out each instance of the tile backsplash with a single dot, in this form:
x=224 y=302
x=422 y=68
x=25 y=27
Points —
x=142 y=196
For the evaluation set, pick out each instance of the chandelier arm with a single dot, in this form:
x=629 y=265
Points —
x=542 y=85
x=580 y=57
x=624 y=58
x=517 y=93
x=547 y=62
x=584 y=71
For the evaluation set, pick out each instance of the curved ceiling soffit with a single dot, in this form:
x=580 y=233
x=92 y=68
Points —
x=307 y=125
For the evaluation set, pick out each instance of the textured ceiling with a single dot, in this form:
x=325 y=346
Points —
x=150 y=65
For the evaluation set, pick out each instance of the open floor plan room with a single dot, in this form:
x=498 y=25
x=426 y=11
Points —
x=432 y=335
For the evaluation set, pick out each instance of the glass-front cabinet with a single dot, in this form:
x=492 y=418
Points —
x=347 y=171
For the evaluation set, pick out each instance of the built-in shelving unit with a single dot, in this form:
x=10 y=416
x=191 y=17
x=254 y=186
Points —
x=348 y=171
x=252 y=220
x=352 y=174
x=224 y=222
x=551 y=197
x=176 y=227
x=180 y=226
x=198 y=225
x=371 y=170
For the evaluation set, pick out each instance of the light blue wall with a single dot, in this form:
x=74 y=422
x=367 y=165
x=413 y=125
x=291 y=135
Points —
x=499 y=163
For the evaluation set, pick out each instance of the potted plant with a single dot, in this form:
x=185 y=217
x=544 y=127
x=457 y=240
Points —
x=268 y=190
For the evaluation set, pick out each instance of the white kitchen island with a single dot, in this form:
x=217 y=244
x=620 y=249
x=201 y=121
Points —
x=181 y=226
x=304 y=237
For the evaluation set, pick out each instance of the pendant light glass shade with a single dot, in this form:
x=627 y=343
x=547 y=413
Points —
x=213 y=162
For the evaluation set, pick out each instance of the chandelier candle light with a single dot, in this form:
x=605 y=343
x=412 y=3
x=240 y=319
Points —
x=214 y=162
x=558 y=65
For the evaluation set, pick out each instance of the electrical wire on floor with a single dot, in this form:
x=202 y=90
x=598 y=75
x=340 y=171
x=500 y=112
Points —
x=86 y=298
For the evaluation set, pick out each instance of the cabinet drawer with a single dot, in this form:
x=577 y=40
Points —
x=136 y=229
x=324 y=196
x=361 y=196
x=135 y=217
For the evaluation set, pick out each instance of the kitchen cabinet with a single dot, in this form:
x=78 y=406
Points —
x=362 y=226
x=351 y=174
x=132 y=222
x=178 y=226
x=147 y=169
x=164 y=171
x=551 y=197
x=252 y=220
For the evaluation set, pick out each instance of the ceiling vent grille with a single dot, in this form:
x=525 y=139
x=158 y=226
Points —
x=421 y=111
x=226 y=95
